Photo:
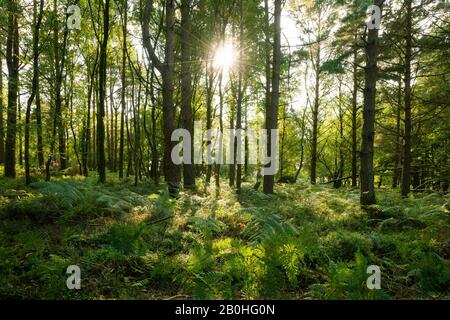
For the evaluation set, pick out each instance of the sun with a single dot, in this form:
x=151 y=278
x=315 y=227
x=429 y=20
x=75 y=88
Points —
x=225 y=57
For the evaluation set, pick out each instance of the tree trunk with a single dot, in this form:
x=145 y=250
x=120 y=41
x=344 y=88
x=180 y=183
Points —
x=315 y=113
x=2 y=128
x=355 y=117
x=101 y=162
x=171 y=171
x=123 y=93
x=186 y=88
x=238 y=151
x=406 y=176
x=398 y=150
x=209 y=107
x=272 y=112
x=58 y=127
x=37 y=17
x=12 y=58
x=368 y=133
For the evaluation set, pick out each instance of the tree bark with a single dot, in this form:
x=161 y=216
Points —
x=238 y=151
x=406 y=176
x=58 y=127
x=101 y=162
x=12 y=58
x=368 y=133
x=355 y=117
x=37 y=17
x=272 y=112
x=186 y=88
x=398 y=150
x=315 y=113
x=124 y=85
x=2 y=128
x=171 y=171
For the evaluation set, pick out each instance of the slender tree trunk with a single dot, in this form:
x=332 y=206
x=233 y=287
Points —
x=171 y=171
x=101 y=162
x=12 y=59
x=218 y=165
x=2 y=128
x=40 y=141
x=232 y=173
x=124 y=85
x=240 y=98
x=19 y=125
x=407 y=158
x=154 y=170
x=315 y=113
x=368 y=133
x=341 y=166
x=37 y=19
x=267 y=69
x=398 y=150
x=58 y=126
x=186 y=87
x=87 y=130
x=302 y=146
x=272 y=112
x=209 y=101
x=355 y=117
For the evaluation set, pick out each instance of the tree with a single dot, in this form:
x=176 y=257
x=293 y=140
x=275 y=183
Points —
x=368 y=133
x=166 y=69
x=59 y=60
x=101 y=162
x=186 y=87
x=406 y=175
x=124 y=86
x=2 y=129
x=12 y=60
x=37 y=20
x=272 y=111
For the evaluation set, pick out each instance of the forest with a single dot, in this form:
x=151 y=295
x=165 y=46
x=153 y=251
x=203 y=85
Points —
x=224 y=149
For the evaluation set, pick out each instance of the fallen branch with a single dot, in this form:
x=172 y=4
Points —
x=159 y=221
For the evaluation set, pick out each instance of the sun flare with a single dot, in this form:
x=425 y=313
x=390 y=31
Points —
x=225 y=57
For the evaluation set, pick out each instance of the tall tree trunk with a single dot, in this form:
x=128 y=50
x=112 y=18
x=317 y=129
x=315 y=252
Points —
x=12 y=59
x=40 y=140
x=218 y=165
x=315 y=113
x=238 y=151
x=267 y=69
x=368 y=133
x=58 y=126
x=101 y=162
x=87 y=129
x=2 y=128
x=171 y=171
x=355 y=116
x=209 y=107
x=124 y=85
x=19 y=127
x=37 y=19
x=272 y=112
x=406 y=176
x=398 y=141
x=341 y=167
x=232 y=170
x=186 y=88
x=154 y=170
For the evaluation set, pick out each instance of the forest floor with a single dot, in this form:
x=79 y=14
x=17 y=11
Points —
x=305 y=242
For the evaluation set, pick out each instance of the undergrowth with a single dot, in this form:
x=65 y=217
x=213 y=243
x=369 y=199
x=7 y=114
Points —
x=135 y=242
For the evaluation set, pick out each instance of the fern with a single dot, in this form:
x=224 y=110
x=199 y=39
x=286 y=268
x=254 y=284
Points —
x=265 y=226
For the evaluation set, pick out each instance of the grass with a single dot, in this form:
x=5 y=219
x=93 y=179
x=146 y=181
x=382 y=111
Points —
x=305 y=242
